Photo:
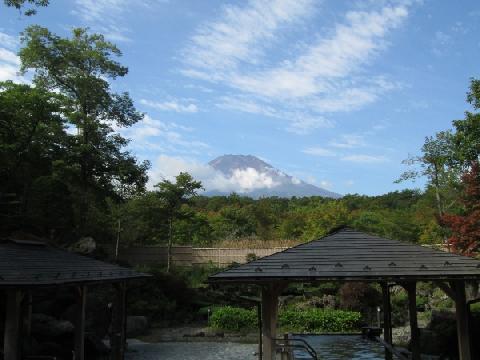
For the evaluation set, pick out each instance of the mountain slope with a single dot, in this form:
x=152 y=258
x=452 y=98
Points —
x=259 y=179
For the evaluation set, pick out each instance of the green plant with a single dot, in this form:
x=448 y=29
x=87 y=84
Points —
x=234 y=319
x=319 y=320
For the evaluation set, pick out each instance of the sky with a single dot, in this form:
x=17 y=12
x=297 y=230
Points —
x=336 y=93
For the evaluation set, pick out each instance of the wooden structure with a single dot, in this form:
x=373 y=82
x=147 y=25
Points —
x=189 y=256
x=349 y=255
x=27 y=266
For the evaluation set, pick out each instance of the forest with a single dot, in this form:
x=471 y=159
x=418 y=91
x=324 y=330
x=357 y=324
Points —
x=66 y=171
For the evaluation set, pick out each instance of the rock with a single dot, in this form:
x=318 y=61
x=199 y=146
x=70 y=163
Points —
x=136 y=325
x=401 y=335
x=329 y=302
x=47 y=327
x=86 y=245
x=95 y=348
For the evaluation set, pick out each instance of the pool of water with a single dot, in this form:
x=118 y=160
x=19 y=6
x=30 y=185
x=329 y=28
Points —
x=342 y=347
x=191 y=351
x=328 y=347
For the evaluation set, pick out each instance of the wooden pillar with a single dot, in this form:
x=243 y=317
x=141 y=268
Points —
x=79 y=341
x=11 y=341
x=260 y=327
x=27 y=321
x=463 y=330
x=387 y=319
x=118 y=335
x=412 y=312
x=269 y=321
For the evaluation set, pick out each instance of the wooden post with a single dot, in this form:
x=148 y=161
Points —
x=463 y=330
x=387 y=319
x=260 y=326
x=412 y=312
x=269 y=321
x=11 y=341
x=80 y=323
x=27 y=321
x=118 y=336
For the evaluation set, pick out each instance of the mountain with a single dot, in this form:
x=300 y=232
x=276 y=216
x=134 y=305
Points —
x=256 y=178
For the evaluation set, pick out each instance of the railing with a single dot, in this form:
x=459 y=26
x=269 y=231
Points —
x=392 y=349
x=291 y=344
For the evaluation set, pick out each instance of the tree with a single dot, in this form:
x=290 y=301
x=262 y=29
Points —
x=173 y=196
x=467 y=134
x=19 y=4
x=33 y=141
x=79 y=68
x=465 y=227
x=436 y=164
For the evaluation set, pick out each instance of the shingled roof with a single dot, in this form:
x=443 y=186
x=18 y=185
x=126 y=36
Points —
x=27 y=263
x=347 y=254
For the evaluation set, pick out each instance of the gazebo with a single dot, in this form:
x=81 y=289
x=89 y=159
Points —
x=349 y=255
x=28 y=266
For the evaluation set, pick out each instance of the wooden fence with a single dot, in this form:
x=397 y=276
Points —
x=189 y=256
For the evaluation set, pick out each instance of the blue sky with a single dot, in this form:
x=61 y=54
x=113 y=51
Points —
x=336 y=93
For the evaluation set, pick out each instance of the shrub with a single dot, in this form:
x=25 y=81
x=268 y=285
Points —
x=305 y=321
x=234 y=319
x=319 y=320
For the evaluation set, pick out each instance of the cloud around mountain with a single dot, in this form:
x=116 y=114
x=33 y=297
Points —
x=243 y=174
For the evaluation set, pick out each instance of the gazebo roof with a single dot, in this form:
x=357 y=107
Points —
x=347 y=254
x=27 y=263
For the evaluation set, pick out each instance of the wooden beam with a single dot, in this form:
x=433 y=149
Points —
x=118 y=335
x=270 y=294
x=79 y=342
x=11 y=340
x=412 y=311
x=387 y=320
x=463 y=328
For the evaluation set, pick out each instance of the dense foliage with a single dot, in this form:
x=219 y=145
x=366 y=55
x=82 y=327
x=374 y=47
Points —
x=310 y=320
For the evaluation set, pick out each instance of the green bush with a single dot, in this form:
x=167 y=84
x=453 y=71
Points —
x=319 y=320
x=294 y=320
x=234 y=319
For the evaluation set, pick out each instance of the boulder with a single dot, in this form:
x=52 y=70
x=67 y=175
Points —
x=47 y=327
x=136 y=325
x=86 y=245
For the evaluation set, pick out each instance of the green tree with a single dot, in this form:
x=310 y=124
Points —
x=19 y=4
x=33 y=142
x=80 y=68
x=467 y=135
x=173 y=195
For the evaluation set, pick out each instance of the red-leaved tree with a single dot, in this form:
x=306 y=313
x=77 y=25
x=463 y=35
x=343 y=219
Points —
x=465 y=228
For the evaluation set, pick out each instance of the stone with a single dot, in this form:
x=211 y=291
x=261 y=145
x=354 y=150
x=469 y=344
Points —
x=86 y=245
x=137 y=325
x=47 y=327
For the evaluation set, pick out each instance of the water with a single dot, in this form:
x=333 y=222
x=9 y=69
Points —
x=328 y=347
x=191 y=351
x=342 y=347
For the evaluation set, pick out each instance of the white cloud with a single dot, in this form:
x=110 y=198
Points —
x=365 y=159
x=327 y=75
x=348 y=141
x=298 y=122
x=242 y=180
x=8 y=41
x=180 y=106
x=240 y=35
x=319 y=151
x=9 y=57
x=9 y=60
x=326 y=184
x=153 y=134
x=106 y=16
